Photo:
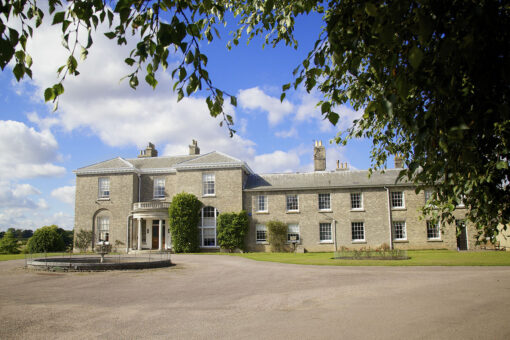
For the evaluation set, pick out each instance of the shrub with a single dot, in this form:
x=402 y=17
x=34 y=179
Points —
x=9 y=244
x=47 y=238
x=232 y=227
x=277 y=235
x=84 y=240
x=183 y=218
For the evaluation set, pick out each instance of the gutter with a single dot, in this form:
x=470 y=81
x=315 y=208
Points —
x=389 y=216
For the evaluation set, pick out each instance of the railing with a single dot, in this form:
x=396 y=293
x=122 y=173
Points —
x=150 y=205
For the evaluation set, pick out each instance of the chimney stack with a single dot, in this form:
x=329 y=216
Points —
x=342 y=166
x=319 y=156
x=193 y=148
x=399 y=161
x=150 y=151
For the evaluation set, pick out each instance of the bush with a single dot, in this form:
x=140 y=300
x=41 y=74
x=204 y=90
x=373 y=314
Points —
x=183 y=218
x=46 y=239
x=277 y=235
x=232 y=227
x=9 y=244
x=84 y=240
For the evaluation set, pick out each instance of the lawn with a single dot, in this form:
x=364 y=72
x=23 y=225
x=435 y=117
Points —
x=417 y=258
x=7 y=257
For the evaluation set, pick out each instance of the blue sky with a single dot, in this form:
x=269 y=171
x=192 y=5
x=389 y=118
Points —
x=101 y=118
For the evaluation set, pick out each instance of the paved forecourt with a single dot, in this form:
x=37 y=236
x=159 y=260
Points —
x=207 y=296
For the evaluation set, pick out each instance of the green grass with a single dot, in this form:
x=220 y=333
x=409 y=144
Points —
x=7 y=257
x=417 y=258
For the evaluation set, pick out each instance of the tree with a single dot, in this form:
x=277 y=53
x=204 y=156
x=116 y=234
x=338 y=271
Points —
x=9 y=244
x=67 y=237
x=46 y=239
x=183 y=216
x=84 y=240
x=232 y=228
x=27 y=233
x=277 y=235
x=431 y=77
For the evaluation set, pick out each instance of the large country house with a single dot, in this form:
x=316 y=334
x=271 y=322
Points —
x=127 y=200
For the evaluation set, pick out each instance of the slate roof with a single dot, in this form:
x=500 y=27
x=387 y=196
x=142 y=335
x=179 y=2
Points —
x=323 y=179
x=163 y=164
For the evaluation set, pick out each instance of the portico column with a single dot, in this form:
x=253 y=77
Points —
x=139 y=234
x=160 y=245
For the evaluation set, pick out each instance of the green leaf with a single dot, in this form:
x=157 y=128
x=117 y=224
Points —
x=129 y=61
x=333 y=117
x=18 y=71
x=415 y=57
x=371 y=9
x=326 y=107
x=502 y=165
x=49 y=94
x=58 y=18
x=282 y=97
x=110 y=35
x=58 y=89
x=285 y=87
x=233 y=101
x=180 y=95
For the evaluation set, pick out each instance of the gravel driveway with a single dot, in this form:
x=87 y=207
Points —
x=218 y=297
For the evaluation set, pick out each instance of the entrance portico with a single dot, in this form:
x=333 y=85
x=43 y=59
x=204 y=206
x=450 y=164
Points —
x=149 y=227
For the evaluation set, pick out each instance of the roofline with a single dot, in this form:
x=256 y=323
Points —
x=330 y=187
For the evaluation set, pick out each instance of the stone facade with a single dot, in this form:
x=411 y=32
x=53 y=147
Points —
x=139 y=191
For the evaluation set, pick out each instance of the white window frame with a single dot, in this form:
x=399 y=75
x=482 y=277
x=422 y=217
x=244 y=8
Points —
x=203 y=227
x=393 y=199
x=294 y=226
x=262 y=229
x=103 y=188
x=360 y=200
x=438 y=226
x=358 y=223
x=103 y=226
x=402 y=225
x=159 y=191
x=208 y=183
x=321 y=231
x=287 y=202
x=262 y=199
x=328 y=195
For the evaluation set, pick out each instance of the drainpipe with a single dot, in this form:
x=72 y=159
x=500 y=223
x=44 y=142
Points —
x=127 y=233
x=334 y=223
x=389 y=217
x=139 y=186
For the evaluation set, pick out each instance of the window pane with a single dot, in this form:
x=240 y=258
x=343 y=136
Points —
x=159 y=187
x=433 y=230
x=356 y=200
x=397 y=199
x=208 y=182
x=358 y=231
x=262 y=203
x=325 y=231
x=324 y=202
x=399 y=229
x=209 y=235
x=293 y=232
x=292 y=202
x=104 y=187
x=103 y=228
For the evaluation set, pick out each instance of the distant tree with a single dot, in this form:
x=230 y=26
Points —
x=27 y=233
x=183 y=218
x=9 y=244
x=84 y=240
x=45 y=239
x=232 y=228
x=67 y=237
x=277 y=235
x=2 y=233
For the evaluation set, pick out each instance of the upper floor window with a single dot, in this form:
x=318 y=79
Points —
x=428 y=196
x=103 y=228
x=292 y=203
x=208 y=183
x=104 y=187
x=356 y=200
x=159 y=188
x=262 y=203
x=324 y=202
x=397 y=199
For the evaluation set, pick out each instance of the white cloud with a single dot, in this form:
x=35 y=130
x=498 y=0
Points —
x=64 y=194
x=254 y=98
x=292 y=132
x=27 y=152
x=17 y=196
x=277 y=161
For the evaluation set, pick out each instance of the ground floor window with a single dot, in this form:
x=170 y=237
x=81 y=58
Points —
x=260 y=233
x=325 y=232
x=103 y=228
x=293 y=232
x=358 y=231
x=207 y=227
x=399 y=230
x=433 y=231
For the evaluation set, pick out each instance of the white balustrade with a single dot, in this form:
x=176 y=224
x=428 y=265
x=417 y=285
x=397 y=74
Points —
x=150 y=205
